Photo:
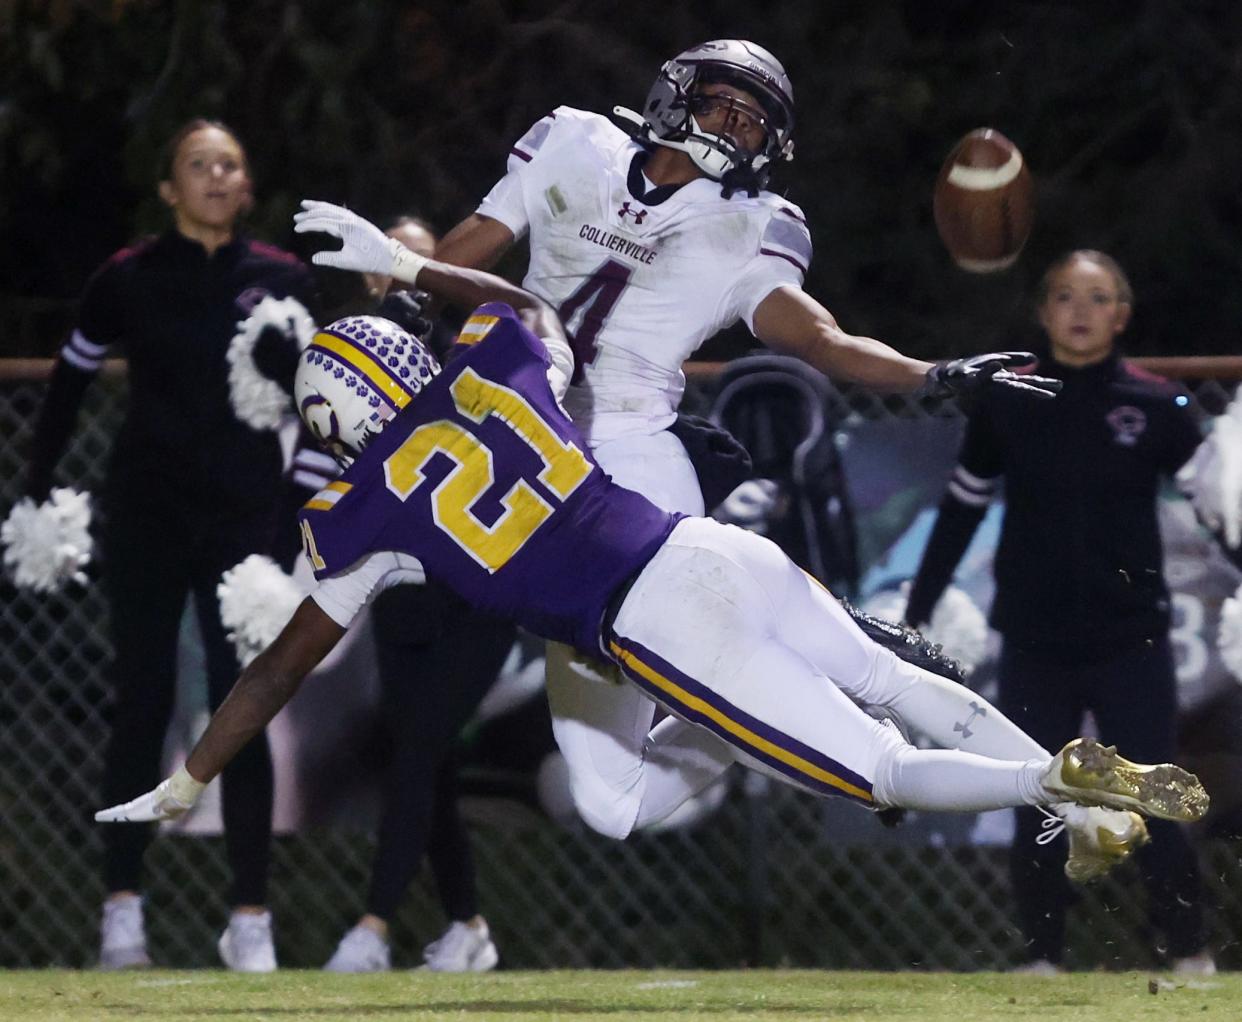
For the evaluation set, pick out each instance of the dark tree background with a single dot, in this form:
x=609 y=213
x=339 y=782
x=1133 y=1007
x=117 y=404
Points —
x=1130 y=115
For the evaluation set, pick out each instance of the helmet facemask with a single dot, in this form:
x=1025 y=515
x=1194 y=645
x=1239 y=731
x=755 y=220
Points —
x=717 y=153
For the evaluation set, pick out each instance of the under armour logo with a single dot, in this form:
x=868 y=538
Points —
x=638 y=214
x=975 y=711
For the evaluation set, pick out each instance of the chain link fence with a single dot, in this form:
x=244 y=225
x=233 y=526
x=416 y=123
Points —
x=770 y=877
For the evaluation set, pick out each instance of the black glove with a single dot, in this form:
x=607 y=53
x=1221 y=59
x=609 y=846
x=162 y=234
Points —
x=408 y=309
x=275 y=355
x=964 y=377
x=719 y=459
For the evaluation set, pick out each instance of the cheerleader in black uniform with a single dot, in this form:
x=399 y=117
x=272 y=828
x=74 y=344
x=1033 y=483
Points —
x=190 y=492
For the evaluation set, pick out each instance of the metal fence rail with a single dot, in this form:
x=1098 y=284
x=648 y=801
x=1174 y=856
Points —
x=773 y=877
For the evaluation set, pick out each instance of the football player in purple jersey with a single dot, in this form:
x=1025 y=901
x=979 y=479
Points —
x=474 y=475
x=649 y=232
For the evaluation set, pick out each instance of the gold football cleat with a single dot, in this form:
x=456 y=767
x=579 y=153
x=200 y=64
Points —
x=1100 y=839
x=1092 y=774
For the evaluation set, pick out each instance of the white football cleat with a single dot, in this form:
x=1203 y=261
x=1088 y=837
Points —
x=246 y=943
x=1092 y=774
x=1099 y=839
x=360 y=950
x=122 y=935
x=463 y=947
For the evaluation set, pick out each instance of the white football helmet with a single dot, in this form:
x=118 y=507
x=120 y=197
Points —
x=354 y=376
x=668 y=115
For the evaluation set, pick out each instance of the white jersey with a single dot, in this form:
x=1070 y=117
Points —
x=641 y=275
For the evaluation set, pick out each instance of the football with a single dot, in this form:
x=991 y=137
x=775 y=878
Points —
x=984 y=202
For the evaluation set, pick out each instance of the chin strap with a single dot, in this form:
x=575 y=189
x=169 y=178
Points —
x=701 y=149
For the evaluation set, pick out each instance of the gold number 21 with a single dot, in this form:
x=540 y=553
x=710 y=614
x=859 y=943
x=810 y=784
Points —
x=564 y=469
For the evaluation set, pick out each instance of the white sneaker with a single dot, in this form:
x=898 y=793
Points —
x=1092 y=774
x=246 y=943
x=1099 y=839
x=463 y=947
x=1039 y=967
x=1202 y=964
x=360 y=950
x=122 y=936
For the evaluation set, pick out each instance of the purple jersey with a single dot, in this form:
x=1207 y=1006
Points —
x=485 y=480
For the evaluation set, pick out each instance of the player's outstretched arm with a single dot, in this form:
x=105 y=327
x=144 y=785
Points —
x=793 y=323
x=367 y=249
x=258 y=695
x=964 y=376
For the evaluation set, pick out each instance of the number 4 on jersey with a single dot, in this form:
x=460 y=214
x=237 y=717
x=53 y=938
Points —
x=596 y=298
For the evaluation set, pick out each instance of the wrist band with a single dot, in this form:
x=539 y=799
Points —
x=183 y=787
x=406 y=264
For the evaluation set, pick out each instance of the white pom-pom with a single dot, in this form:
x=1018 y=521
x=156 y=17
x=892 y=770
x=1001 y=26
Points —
x=1212 y=478
x=257 y=600
x=257 y=401
x=957 y=625
x=959 y=628
x=1229 y=634
x=750 y=505
x=46 y=545
x=887 y=604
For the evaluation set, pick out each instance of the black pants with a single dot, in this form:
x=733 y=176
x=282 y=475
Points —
x=1133 y=699
x=154 y=554
x=437 y=658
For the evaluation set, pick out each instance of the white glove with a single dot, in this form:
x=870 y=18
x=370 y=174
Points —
x=170 y=798
x=365 y=247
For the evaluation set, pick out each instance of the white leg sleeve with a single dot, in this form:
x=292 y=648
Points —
x=939 y=780
x=949 y=714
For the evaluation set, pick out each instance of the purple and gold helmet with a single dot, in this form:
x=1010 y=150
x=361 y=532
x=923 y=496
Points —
x=355 y=375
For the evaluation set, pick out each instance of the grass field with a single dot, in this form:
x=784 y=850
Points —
x=44 y=996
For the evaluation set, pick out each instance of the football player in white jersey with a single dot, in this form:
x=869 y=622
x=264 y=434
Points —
x=648 y=241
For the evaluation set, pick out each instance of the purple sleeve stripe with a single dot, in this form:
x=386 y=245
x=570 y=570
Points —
x=515 y=151
x=790 y=213
x=86 y=365
x=787 y=258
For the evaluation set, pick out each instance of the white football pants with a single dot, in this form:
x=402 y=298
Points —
x=761 y=665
